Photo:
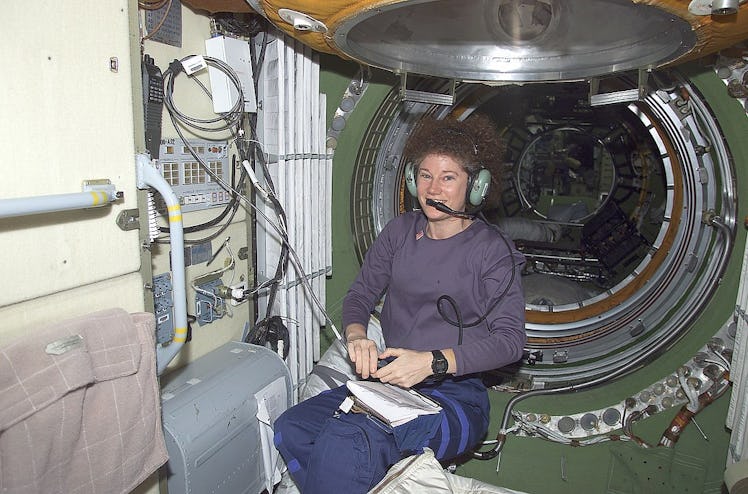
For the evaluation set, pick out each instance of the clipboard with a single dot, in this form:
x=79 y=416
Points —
x=391 y=405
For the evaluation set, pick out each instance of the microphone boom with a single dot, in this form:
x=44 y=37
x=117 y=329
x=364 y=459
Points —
x=446 y=209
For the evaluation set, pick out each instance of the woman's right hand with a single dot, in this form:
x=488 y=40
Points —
x=361 y=350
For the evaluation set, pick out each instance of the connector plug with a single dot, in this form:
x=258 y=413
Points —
x=238 y=293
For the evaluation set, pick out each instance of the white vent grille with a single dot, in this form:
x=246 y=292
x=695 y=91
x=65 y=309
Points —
x=291 y=127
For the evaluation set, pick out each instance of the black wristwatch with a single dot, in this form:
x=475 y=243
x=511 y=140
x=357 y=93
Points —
x=439 y=364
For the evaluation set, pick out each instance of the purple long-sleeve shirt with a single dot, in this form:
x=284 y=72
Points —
x=473 y=267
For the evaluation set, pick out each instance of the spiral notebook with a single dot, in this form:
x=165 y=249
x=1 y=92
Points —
x=391 y=404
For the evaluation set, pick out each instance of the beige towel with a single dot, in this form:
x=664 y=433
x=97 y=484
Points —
x=79 y=406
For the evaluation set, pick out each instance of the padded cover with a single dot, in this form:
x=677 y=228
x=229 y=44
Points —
x=422 y=474
x=79 y=407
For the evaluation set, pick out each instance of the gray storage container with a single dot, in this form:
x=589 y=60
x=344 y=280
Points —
x=210 y=419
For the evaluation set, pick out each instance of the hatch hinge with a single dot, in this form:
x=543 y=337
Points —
x=636 y=94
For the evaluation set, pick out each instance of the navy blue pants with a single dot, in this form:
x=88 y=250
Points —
x=329 y=451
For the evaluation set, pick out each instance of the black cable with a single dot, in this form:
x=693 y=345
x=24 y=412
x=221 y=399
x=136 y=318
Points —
x=239 y=24
x=257 y=153
x=280 y=272
x=206 y=225
x=257 y=62
x=207 y=238
x=270 y=332
x=231 y=120
x=457 y=312
x=256 y=68
x=283 y=259
x=458 y=323
x=233 y=203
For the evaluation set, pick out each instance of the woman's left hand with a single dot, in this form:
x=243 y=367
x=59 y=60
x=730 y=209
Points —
x=408 y=369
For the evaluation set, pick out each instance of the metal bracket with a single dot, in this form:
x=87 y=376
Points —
x=424 y=96
x=627 y=95
x=741 y=313
x=102 y=185
x=302 y=22
x=348 y=103
x=128 y=219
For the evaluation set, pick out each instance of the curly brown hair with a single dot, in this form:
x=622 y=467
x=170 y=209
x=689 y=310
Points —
x=474 y=143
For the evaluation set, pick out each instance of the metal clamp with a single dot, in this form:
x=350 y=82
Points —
x=626 y=95
x=424 y=96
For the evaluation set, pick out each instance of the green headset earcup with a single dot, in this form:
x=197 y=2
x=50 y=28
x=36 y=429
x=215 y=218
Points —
x=410 y=179
x=478 y=188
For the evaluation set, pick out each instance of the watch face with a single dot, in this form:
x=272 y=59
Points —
x=439 y=365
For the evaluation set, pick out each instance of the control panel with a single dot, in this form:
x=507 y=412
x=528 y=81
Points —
x=163 y=307
x=193 y=185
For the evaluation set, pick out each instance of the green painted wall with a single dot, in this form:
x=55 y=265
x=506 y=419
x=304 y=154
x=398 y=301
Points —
x=534 y=465
x=335 y=76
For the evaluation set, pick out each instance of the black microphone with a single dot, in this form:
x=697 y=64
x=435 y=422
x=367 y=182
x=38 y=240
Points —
x=446 y=209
